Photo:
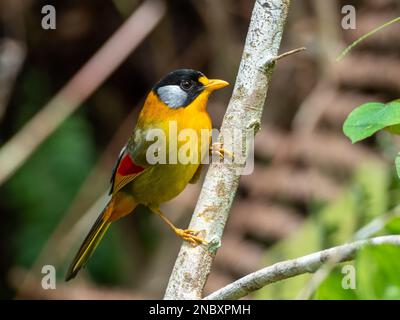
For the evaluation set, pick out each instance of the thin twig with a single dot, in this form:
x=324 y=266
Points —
x=283 y=55
x=271 y=61
x=291 y=268
x=263 y=40
x=365 y=36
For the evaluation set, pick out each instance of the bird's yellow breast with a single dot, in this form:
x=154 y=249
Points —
x=162 y=182
x=194 y=115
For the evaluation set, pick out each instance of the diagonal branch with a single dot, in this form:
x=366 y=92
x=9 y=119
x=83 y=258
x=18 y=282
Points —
x=243 y=114
x=291 y=268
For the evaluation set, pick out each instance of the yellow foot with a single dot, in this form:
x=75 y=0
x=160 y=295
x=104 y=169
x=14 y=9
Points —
x=190 y=236
x=218 y=149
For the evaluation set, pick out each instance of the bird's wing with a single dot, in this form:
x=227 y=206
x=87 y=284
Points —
x=196 y=175
x=125 y=170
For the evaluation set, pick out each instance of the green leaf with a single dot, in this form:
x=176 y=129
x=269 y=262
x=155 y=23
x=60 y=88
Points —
x=394 y=129
x=378 y=272
x=331 y=288
x=371 y=117
x=393 y=225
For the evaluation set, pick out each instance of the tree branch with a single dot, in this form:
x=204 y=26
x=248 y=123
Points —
x=291 y=268
x=243 y=114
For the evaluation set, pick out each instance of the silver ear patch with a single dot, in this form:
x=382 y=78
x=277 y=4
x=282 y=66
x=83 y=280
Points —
x=173 y=96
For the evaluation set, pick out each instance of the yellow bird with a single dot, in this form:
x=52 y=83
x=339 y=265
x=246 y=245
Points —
x=175 y=107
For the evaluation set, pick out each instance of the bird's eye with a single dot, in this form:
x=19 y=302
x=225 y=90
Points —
x=186 y=85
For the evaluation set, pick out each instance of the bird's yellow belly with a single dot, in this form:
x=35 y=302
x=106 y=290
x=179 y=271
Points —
x=161 y=183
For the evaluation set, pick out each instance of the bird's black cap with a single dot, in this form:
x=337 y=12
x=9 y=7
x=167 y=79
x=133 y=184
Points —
x=179 y=88
x=175 y=77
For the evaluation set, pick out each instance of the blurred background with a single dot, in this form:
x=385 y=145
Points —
x=311 y=188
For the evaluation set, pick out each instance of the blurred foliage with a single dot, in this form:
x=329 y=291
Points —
x=42 y=190
x=48 y=182
x=306 y=240
x=332 y=289
x=365 y=199
x=376 y=276
x=393 y=225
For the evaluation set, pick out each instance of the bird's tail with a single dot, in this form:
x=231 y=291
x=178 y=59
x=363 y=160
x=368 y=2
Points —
x=91 y=241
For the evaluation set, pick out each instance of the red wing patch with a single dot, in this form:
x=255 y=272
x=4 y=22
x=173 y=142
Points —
x=128 y=167
x=124 y=172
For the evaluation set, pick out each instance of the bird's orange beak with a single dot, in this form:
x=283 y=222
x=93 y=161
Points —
x=215 y=84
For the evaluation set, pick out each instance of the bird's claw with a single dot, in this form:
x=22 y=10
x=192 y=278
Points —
x=218 y=149
x=190 y=236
